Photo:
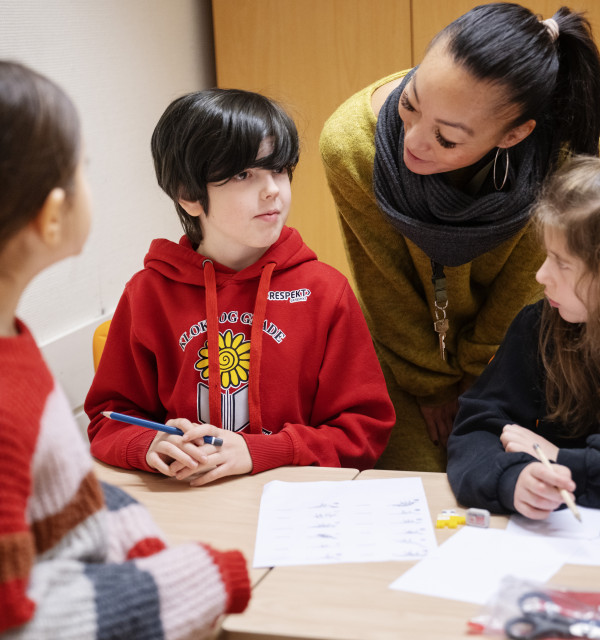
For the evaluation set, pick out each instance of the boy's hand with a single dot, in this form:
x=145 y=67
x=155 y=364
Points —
x=166 y=448
x=517 y=439
x=536 y=492
x=231 y=458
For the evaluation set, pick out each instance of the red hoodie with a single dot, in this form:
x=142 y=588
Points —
x=320 y=397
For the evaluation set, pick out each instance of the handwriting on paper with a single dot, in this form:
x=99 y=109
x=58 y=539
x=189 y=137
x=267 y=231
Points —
x=345 y=521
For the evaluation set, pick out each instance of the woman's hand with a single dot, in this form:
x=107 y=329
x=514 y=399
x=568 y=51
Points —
x=439 y=420
x=517 y=439
x=537 y=489
x=165 y=449
x=231 y=458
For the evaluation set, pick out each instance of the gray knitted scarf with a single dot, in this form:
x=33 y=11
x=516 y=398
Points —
x=450 y=226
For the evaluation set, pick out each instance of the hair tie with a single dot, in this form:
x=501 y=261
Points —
x=552 y=27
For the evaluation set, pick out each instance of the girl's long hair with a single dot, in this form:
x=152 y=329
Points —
x=570 y=352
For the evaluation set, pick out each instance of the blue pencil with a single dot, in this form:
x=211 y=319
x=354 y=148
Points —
x=157 y=426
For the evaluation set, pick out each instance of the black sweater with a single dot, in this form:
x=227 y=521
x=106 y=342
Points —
x=511 y=390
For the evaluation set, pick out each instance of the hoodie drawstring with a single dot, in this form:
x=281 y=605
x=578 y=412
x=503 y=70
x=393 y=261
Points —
x=256 y=336
x=212 y=329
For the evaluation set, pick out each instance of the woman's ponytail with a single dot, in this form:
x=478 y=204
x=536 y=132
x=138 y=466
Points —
x=577 y=95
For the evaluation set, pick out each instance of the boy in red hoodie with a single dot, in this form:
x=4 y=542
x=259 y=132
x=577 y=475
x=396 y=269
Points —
x=237 y=331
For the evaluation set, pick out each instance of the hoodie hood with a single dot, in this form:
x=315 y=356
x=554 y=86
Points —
x=181 y=263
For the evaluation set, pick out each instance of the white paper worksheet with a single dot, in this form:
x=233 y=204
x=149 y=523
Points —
x=470 y=565
x=578 y=541
x=346 y=521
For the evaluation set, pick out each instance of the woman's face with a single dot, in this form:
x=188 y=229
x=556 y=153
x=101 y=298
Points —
x=451 y=120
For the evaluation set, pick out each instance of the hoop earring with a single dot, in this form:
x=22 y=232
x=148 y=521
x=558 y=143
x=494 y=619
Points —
x=499 y=188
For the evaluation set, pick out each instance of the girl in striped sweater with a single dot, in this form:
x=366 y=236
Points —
x=78 y=559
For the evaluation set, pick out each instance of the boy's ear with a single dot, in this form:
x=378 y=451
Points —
x=516 y=134
x=193 y=208
x=49 y=221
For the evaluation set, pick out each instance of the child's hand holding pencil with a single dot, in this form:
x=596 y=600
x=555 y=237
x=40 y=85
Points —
x=532 y=499
x=540 y=489
x=232 y=458
x=198 y=453
x=168 y=444
x=568 y=500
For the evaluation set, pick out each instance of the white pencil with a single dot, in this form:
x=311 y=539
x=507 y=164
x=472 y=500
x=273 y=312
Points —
x=563 y=492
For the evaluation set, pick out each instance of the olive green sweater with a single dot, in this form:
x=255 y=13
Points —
x=393 y=276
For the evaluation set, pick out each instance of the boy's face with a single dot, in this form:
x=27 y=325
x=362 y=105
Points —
x=246 y=214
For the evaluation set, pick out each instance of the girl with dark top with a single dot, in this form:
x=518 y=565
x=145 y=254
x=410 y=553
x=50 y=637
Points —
x=542 y=386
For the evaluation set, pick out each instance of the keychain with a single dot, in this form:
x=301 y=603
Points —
x=441 y=326
x=441 y=323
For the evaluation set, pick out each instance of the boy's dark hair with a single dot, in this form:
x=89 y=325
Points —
x=506 y=43
x=211 y=136
x=39 y=144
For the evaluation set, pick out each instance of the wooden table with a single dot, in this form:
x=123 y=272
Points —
x=349 y=601
x=354 y=601
x=223 y=514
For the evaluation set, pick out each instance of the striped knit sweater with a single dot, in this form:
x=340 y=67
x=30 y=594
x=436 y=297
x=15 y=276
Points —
x=80 y=559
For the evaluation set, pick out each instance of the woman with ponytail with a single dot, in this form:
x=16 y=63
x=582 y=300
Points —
x=434 y=171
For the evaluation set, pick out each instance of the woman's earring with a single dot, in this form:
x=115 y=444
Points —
x=499 y=188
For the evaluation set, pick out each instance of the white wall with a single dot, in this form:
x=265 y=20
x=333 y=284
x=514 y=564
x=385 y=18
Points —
x=122 y=62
